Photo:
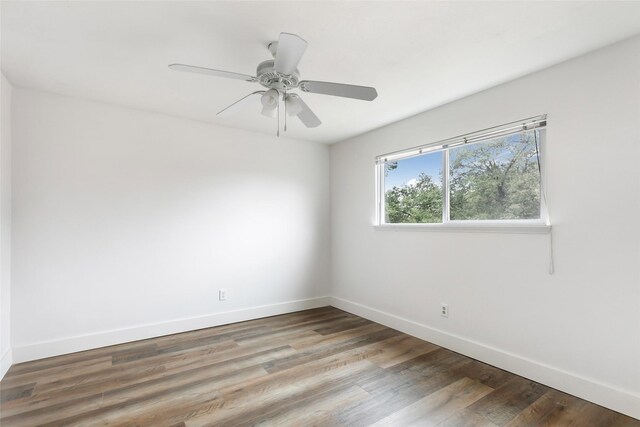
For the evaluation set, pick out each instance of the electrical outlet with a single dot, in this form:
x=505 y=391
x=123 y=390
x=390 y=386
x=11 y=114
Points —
x=444 y=310
x=222 y=294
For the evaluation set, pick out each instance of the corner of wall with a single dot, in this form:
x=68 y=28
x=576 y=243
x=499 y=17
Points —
x=5 y=362
x=5 y=226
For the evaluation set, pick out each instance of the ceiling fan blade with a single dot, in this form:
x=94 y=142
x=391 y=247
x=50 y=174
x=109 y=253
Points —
x=306 y=116
x=289 y=53
x=240 y=104
x=212 y=72
x=338 y=89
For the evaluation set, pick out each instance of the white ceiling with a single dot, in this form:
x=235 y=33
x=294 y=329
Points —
x=417 y=54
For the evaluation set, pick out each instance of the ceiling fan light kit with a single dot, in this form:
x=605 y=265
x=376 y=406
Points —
x=269 y=112
x=280 y=76
x=270 y=98
x=292 y=104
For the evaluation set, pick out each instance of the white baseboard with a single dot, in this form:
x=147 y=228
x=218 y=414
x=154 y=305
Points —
x=594 y=391
x=40 y=350
x=5 y=362
x=606 y=395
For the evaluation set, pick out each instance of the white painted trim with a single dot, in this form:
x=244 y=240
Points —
x=5 y=362
x=472 y=227
x=40 y=350
x=624 y=401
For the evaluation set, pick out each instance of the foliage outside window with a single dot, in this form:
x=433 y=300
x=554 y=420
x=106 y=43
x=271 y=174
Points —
x=494 y=179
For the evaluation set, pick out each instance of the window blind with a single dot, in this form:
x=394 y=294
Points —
x=469 y=138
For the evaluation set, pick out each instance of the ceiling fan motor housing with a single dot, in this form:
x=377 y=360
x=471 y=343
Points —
x=270 y=78
x=280 y=75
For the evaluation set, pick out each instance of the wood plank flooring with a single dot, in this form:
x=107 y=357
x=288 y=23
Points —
x=317 y=367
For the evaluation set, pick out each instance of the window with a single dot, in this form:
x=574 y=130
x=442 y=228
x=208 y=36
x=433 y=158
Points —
x=487 y=177
x=413 y=190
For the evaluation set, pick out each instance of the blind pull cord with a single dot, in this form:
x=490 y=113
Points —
x=546 y=204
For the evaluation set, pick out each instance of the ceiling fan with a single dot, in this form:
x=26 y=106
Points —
x=280 y=76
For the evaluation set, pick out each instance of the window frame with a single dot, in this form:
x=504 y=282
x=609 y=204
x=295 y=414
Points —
x=538 y=225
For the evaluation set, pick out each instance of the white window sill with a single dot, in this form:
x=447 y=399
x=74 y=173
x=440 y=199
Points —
x=475 y=227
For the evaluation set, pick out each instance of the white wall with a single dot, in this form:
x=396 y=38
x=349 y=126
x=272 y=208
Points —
x=579 y=329
x=5 y=225
x=127 y=223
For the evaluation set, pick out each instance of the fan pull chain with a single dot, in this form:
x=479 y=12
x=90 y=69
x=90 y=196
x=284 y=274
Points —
x=278 y=131
x=285 y=110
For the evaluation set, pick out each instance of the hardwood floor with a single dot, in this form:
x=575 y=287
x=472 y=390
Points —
x=316 y=367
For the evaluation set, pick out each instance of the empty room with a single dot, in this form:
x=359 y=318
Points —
x=320 y=213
